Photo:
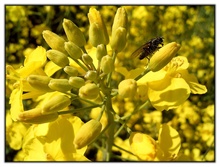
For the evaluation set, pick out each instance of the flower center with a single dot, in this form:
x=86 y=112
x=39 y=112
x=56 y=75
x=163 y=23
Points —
x=173 y=67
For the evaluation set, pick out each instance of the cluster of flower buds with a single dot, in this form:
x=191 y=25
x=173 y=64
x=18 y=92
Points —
x=62 y=53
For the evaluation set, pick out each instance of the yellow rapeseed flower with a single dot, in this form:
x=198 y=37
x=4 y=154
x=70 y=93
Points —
x=171 y=86
x=50 y=142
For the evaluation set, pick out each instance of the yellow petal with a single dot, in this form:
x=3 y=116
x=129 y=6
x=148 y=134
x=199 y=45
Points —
x=169 y=141
x=152 y=76
x=32 y=62
x=168 y=93
x=50 y=68
x=195 y=87
x=16 y=102
x=38 y=55
x=30 y=68
x=129 y=74
x=143 y=146
x=15 y=132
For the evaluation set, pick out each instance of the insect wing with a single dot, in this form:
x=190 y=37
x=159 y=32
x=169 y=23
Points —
x=139 y=51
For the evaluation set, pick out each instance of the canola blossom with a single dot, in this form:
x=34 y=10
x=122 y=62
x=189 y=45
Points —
x=83 y=97
x=171 y=86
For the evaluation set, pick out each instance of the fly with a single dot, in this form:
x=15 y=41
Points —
x=146 y=50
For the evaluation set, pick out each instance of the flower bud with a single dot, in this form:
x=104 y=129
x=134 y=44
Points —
x=100 y=52
x=91 y=75
x=61 y=85
x=87 y=59
x=143 y=146
x=97 y=30
x=119 y=30
x=120 y=20
x=56 y=103
x=127 y=88
x=73 y=50
x=89 y=91
x=76 y=82
x=118 y=40
x=73 y=33
x=71 y=71
x=58 y=58
x=35 y=116
x=107 y=64
x=39 y=82
x=163 y=56
x=54 y=41
x=87 y=133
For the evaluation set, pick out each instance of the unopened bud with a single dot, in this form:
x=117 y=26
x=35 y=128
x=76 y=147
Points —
x=120 y=20
x=71 y=71
x=73 y=50
x=39 y=82
x=61 y=85
x=54 y=41
x=73 y=33
x=89 y=91
x=58 y=58
x=87 y=59
x=76 y=82
x=127 y=88
x=91 y=75
x=97 y=30
x=35 y=116
x=87 y=133
x=143 y=146
x=100 y=52
x=118 y=40
x=119 y=30
x=56 y=103
x=163 y=56
x=107 y=64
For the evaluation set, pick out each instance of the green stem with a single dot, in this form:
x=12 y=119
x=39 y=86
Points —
x=81 y=65
x=101 y=113
x=84 y=50
x=123 y=149
x=135 y=111
x=110 y=74
x=93 y=67
x=110 y=130
x=88 y=101
x=125 y=119
x=122 y=126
